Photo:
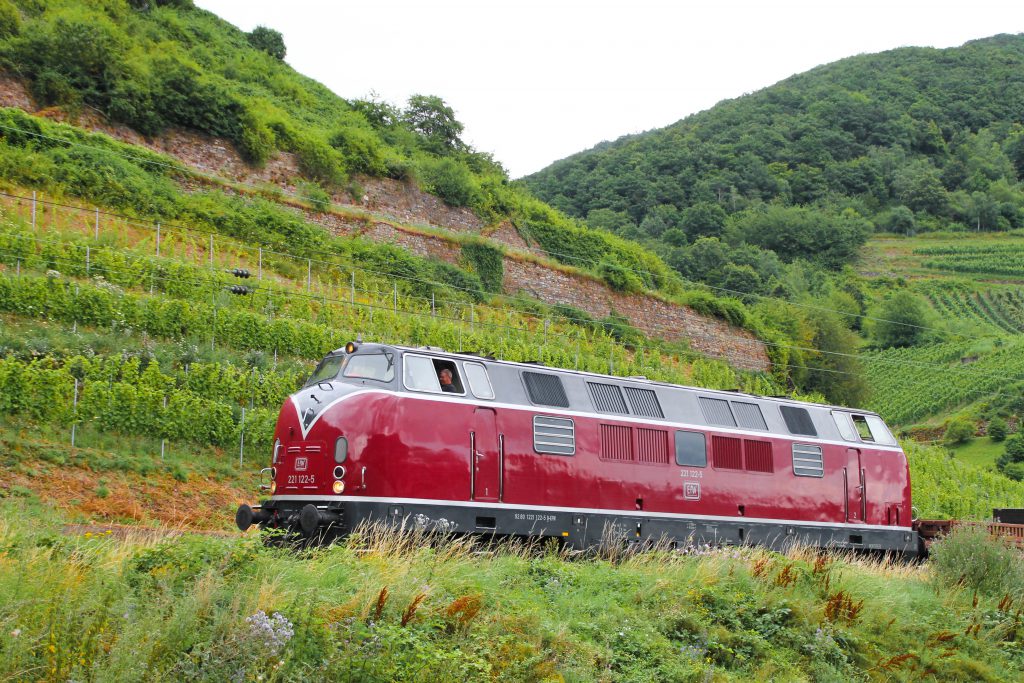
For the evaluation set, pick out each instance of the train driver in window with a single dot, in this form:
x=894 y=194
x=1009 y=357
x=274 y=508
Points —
x=445 y=377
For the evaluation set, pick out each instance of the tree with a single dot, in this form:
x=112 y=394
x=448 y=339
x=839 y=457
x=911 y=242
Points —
x=899 y=219
x=267 y=40
x=834 y=369
x=901 y=321
x=997 y=429
x=434 y=121
x=703 y=219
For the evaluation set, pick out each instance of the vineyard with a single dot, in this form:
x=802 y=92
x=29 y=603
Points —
x=989 y=259
x=212 y=367
x=910 y=384
x=989 y=311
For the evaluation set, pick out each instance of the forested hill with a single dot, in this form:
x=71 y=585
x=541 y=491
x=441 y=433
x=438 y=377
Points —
x=910 y=139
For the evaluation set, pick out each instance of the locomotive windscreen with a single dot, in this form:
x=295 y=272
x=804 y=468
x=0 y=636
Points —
x=328 y=369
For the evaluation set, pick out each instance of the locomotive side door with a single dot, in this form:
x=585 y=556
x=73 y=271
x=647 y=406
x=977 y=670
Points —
x=486 y=464
x=853 y=476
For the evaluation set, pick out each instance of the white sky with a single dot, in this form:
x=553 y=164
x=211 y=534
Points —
x=535 y=81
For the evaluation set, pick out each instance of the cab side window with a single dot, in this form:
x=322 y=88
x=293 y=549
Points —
x=432 y=375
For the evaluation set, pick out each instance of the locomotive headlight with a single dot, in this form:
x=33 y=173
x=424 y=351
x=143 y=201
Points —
x=351 y=347
x=339 y=487
x=340 y=450
x=273 y=487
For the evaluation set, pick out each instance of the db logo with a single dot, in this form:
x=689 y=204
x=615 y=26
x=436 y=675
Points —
x=691 y=490
x=301 y=464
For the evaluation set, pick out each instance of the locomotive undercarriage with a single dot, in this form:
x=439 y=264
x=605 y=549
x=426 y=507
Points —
x=328 y=519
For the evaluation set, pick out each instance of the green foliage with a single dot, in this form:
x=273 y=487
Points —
x=990 y=310
x=316 y=196
x=450 y=180
x=959 y=430
x=797 y=232
x=10 y=19
x=267 y=40
x=504 y=615
x=488 y=262
x=617 y=277
x=944 y=487
x=902 y=320
x=997 y=429
x=434 y=121
x=913 y=383
x=988 y=259
x=968 y=557
x=1011 y=462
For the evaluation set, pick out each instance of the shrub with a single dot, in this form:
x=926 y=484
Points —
x=971 y=558
x=10 y=19
x=617 y=277
x=1011 y=462
x=959 y=430
x=488 y=262
x=256 y=141
x=317 y=197
x=449 y=180
x=362 y=149
x=319 y=161
x=997 y=429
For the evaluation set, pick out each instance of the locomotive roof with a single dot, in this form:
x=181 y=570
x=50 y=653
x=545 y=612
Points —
x=537 y=366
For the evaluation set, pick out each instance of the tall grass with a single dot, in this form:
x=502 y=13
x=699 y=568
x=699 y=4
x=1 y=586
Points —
x=408 y=606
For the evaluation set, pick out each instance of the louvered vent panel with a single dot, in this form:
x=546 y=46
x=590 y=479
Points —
x=616 y=442
x=644 y=402
x=545 y=390
x=749 y=416
x=607 y=398
x=727 y=453
x=555 y=435
x=652 y=445
x=758 y=456
x=716 y=411
x=807 y=461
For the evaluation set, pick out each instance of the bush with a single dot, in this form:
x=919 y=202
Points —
x=971 y=558
x=10 y=19
x=362 y=149
x=1011 y=462
x=317 y=197
x=267 y=40
x=617 y=277
x=488 y=263
x=449 y=180
x=959 y=430
x=319 y=161
x=997 y=429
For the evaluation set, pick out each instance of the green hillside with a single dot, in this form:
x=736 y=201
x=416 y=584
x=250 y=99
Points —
x=153 y=65
x=905 y=141
x=885 y=188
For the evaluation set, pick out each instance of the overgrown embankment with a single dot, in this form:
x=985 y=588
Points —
x=387 y=607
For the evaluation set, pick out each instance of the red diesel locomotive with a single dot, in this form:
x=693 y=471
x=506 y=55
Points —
x=469 y=444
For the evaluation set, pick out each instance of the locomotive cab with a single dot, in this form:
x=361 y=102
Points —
x=310 y=456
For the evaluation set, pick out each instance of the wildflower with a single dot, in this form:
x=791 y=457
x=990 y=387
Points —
x=15 y=633
x=274 y=631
